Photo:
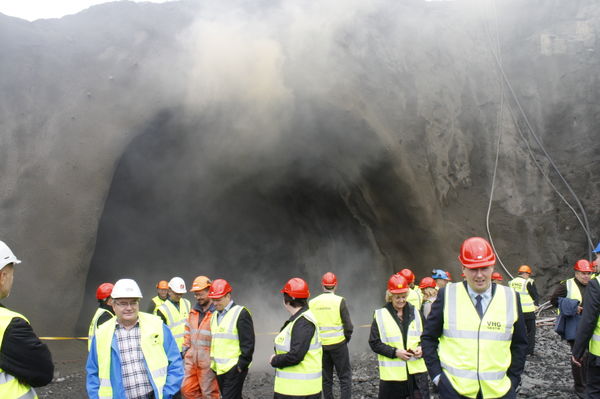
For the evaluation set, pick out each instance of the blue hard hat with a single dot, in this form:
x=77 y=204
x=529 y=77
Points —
x=597 y=249
x=439 y=274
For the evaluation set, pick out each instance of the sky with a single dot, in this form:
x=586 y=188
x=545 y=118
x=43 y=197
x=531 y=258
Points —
x=37 y=9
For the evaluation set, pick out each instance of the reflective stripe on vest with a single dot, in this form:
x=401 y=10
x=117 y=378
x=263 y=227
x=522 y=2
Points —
x=594 y=345
x=396 y=369
x=157 y=302
x=176 y=319
x=475 y=352
x=94 y=326
x=10 y=387
x=151 y=341
x=415 y=298
x=519 y=284
x=304 y=378
x=326 y=310
x=225 y=344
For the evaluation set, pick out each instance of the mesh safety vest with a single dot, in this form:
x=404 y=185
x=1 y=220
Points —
x=176 y=318
x=94 y=326
x=326 y=310
x=396 y=369
x=225 y=344
x=151 y=341
x=475 y=353
x=10 y=387
x=594 y=345
x=304 y=378
x=415 y=298
x=519 y=284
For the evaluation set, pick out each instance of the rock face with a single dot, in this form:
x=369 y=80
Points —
x=258 y=140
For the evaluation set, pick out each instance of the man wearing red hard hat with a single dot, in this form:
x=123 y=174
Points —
x=335 y=328
x=475 y=340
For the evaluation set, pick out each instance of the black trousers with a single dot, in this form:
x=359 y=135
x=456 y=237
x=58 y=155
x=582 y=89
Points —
x=579 y=373
x=529 y=318
x=592 y=389
x=231 y=383
x=338 y=358
x=447 y=391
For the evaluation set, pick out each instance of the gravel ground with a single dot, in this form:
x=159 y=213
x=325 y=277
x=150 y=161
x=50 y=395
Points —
x=547 y=375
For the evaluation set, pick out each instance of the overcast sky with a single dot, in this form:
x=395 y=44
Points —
x=36 y=9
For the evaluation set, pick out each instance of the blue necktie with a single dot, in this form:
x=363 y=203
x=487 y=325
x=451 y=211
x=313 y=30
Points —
x=478 y=306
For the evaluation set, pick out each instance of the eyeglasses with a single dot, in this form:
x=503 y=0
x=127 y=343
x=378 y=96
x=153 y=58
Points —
x=126 y=304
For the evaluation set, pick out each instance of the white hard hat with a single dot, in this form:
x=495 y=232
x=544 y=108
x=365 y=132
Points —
x=177 y=285
x=126 y=288
x=6 y=256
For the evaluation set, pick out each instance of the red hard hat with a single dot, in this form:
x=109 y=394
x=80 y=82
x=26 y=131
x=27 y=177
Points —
x=329 y=280
x=497 y=276
x=583 y=265
x=476 y=252
x=397 y=284
x=104 y=290
x=296 y=288
x=427 y=282
x=219 y=288
x=408 y=275
x=162 y=285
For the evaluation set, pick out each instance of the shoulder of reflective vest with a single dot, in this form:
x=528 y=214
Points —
x=9 y=315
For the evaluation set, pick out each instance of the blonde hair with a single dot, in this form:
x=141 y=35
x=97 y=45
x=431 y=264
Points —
x=429 y=292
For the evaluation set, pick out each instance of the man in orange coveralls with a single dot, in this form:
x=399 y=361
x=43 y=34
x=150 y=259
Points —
x=199 y=380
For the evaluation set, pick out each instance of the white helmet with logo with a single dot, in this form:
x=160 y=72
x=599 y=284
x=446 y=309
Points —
x=6 y=256
x=126 y=288
x=177 y=285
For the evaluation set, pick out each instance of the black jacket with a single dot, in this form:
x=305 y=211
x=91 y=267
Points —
x=561 y=292
x=589 y=319
x=24 y=356
x=302 y=334
x=104 y=317
x=408 y=315
x=434 y=329
x=245 y=328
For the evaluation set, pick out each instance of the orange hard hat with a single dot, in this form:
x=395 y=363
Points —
x=219 y=288
x=476 y=252
x=200 y=283
x=397 y=284
x=408 y=275
x=524 y=269
x=583 y=265
x=427 y=282
x=104 y=290
x=296 y=288
x=162 y=285
x=497 y=276
x=329 y=280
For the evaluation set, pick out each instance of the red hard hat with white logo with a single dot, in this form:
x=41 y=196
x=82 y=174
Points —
x=408 y=275
x=296 y=288
x=397 y=284
x=104 y=290
x=476 y=252
x=219 y=288
x=427 y=282
x=583 y=265
x=329 y=280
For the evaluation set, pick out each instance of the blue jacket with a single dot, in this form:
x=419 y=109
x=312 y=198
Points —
x=568 y=319
x=174 y=369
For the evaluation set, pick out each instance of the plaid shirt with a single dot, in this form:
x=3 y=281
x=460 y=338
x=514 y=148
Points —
x=133 y=367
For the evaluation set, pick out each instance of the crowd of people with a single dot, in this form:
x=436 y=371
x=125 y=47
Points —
x=470 y=339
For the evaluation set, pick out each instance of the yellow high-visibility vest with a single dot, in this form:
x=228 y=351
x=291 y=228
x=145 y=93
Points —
x=151 y=341
x=396 y=369
x=475 y=353
x=10 y=387
x=305 y=377
x=326 y=310
x=157 y=302
x=415 y=298
x=176 y=318
x=573 y=291
x=225 y=344
x=93 y=324
x=519 y=284
x=594 y=345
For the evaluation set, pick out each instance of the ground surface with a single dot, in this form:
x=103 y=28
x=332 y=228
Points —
x=547 y=375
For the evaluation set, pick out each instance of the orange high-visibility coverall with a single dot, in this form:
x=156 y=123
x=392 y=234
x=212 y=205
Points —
x=199 y=381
